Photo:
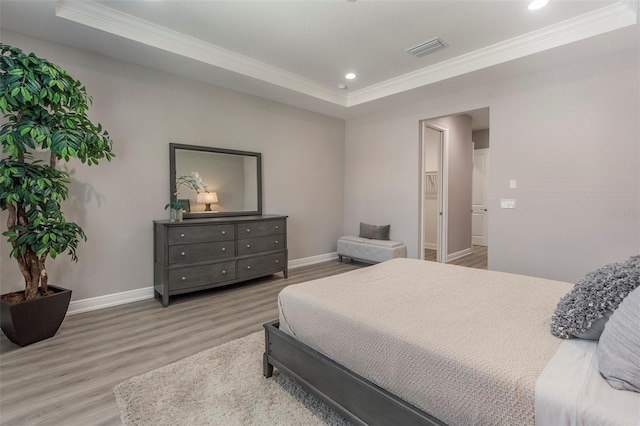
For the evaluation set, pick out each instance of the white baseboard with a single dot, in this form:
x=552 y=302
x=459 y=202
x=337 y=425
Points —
x=459 y=254
x=109 y=300
x=306 y=261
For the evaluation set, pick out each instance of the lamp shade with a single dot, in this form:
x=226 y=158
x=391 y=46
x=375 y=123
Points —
x=208 y=197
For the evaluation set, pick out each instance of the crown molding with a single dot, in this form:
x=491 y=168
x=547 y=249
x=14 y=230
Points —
x=104 y=18
x=618 y=15
x=609 y=18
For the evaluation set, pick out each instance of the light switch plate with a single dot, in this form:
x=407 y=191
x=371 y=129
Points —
x=507 y=203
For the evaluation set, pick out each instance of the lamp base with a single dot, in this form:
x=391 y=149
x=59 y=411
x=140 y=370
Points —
x=207 y=207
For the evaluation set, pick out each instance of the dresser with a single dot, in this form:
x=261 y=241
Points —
x=198 y=254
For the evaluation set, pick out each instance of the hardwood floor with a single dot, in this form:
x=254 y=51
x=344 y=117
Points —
x=477 y=259
x=69 y=379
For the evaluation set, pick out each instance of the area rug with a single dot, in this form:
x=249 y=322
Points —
x=220 y=386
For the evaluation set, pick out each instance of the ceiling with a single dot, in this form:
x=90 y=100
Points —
x=298 y=52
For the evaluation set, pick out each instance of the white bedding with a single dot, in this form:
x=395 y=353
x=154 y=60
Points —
x=462 y=344
x=570 y=391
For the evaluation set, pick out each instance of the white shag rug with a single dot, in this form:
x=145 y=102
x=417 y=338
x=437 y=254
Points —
x=220 y=386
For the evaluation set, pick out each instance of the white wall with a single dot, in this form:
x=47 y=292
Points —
x=144 y=110
x=569 y=135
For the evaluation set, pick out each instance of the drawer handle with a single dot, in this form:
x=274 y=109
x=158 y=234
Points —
x=277 y=261
x=277 y=227
x=224 y=232
x=183 y=253
x=248 y=266
x=248 y=230
x=224 y=271
x=248 y=245
x=276 y=241
x=181 y=235
x=224 y=249
x=184 y=278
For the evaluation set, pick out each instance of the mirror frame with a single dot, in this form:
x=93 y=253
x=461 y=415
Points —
x=172 y=177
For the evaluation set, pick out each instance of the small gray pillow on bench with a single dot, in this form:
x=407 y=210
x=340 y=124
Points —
x=375 y=232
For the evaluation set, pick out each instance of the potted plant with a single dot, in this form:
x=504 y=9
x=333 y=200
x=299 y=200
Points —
x=44 y=114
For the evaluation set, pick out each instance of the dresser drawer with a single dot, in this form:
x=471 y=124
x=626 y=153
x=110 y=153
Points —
x=260 y=229
x=260 y=265
x=200 y=234
x=261 y=244
x=194 y=276
x=190 y=253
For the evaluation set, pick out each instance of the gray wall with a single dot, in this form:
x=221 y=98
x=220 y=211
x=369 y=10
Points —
x=481 y=139
x=145 y=110
x=569 y=135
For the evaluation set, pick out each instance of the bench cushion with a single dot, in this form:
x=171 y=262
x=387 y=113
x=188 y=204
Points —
x=370 y=250
x=360 y=240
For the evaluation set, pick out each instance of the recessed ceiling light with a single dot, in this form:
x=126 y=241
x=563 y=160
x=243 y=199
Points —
x=342 y=86
x=350 y=76
x=537 y=4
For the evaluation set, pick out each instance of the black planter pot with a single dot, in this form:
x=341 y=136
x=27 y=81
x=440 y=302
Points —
x=28 y=322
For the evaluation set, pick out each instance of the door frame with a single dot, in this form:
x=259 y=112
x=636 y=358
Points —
x=485 y=230
x=443 y=185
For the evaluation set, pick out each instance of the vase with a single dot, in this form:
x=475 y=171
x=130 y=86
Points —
x=176 y=215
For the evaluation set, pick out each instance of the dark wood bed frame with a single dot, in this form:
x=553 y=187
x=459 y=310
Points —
x=353 y=397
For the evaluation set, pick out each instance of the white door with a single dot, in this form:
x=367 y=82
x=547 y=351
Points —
x=480 y=219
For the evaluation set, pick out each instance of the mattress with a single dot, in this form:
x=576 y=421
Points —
x=571 y=391
x=461 y=344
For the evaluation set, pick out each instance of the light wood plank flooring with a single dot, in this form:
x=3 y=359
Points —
x=477 y=259
x=69 y=379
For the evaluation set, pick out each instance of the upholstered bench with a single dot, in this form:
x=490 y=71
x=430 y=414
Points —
x=369 y=250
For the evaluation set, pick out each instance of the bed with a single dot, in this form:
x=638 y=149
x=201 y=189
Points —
x=414 y=342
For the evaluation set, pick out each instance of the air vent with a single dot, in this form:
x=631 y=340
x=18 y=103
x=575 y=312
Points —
x=427 y=47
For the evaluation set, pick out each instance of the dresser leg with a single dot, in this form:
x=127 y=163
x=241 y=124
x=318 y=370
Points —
x=165 y=300
x=285 y=273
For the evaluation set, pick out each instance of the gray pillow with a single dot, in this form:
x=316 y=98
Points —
x=595 y=296
x=376 y=232
x=618 y=351
x=596 y=328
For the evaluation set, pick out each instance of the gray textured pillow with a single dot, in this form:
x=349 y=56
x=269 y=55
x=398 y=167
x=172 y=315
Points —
x=595 y=296
x=618 y=351
x=376 y=232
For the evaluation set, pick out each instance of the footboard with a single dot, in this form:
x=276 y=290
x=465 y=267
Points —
x=350 y=395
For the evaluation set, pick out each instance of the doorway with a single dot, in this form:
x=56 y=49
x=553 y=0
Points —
x=451 y=205
x=433 y=235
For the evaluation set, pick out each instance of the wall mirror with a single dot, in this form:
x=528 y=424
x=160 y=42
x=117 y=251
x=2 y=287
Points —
x=213 y=182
